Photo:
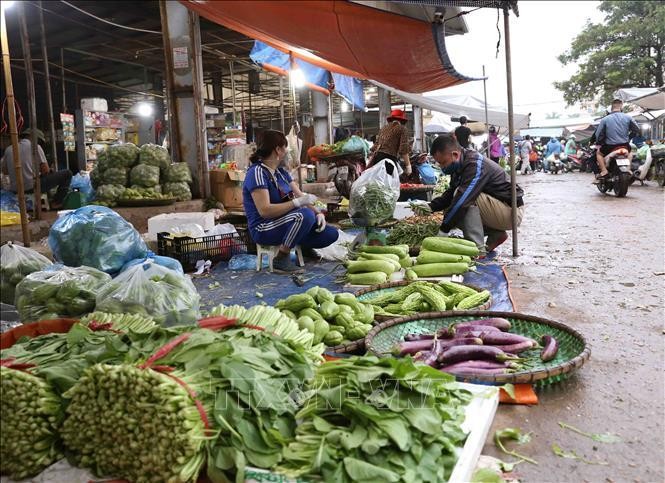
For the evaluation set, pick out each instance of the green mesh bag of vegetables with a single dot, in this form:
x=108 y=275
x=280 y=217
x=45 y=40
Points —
x=114 y=176
x=374 y=195
x=109 y=193
x=151 y=190
x=154 y=155
x=96 y=177
x=178 y=173
x=16 y=262
x=122 y=155
x=179 y=191
x=144 y=175
x=151 y=290
x=61 y=292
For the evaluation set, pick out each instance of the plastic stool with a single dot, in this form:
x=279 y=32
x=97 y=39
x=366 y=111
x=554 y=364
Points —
x=271 y=251
x=44 y=200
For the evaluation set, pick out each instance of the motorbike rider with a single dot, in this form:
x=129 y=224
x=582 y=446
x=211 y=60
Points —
x=613 y=132
x=479 y=198
x=553 y=149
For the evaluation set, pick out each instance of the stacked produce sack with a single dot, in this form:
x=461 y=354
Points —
x=332 y=319
x=126 y=172
x=16 y=262
x=95 y=236
x=58 y=292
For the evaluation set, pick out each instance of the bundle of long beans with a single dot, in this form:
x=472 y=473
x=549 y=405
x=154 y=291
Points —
x=413 y=230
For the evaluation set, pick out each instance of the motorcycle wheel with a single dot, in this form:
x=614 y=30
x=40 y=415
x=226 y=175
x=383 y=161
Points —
x=659 y=175
x=621 y=185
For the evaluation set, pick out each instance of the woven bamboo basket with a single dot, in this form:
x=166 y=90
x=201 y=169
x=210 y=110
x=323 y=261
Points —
x=363 y=294
x=573 y=352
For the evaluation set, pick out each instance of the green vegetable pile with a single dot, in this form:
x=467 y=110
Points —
x=149 y=289
x=332 y=319
x=413 y=230
x=139 y=193
x=154 y=155
x=30 y=415
x=109 y=193
x=426 y=297
x=144 y=175
x=274 y=322
x=444 y=256
x=368 y=419
x=178 y=173
x=15 y=263
x=179 y=191
x=65 y=292
x=117 y=176
x=374 y=264
x=371 y=203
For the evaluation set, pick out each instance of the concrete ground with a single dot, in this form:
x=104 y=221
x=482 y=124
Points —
x=594 y=262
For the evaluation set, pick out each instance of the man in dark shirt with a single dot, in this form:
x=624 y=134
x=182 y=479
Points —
x=463 y=133
x=479 y=198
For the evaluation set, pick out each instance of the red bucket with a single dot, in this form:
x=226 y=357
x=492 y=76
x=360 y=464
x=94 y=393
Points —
x=43 y=327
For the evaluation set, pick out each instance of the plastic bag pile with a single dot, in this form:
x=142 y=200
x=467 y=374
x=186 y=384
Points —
x=16 y=262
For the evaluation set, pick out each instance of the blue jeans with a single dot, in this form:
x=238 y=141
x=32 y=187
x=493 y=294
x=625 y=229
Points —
x=295 y=228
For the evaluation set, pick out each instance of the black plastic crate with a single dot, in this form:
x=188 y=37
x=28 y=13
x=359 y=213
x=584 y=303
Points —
x=216 y=248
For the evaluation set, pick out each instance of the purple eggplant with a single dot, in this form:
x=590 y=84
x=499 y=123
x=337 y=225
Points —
x=502 y=338
x=443 y=345
x=462 y=372
x=428 y=358
x=499 y=323
x=550 y=348
x=411 y=347
x=412 y=337
x=473 y=352
x=480 y=365
x=457 y=330
x=517 y=348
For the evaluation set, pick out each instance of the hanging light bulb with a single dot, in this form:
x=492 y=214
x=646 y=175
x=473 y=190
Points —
x=144 y=109
x=297 y=77
x=5 y=4
x=345 y=106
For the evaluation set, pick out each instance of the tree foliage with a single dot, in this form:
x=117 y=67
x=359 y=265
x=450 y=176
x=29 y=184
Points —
x=627 y=50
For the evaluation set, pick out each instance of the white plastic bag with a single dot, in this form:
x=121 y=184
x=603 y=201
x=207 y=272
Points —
x=15 y=263
x=374 y=195
x=150 y=289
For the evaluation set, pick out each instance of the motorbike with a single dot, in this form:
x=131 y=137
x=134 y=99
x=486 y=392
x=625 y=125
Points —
x=659 y=171
x=345 y=169
x=618 y=179
x=578 y=161
x=556 y=166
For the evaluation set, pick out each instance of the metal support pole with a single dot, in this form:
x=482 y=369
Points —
x=233 y=91
x=331 y=128
x=509 y=85
x=49 y=95
x=384 y=106
x=13 y=134
x=32 y=107
x=487 y=124
x=64 y=96
x=281 y=103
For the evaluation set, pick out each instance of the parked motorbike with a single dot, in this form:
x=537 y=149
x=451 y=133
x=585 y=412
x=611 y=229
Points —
x=578 y=161
x=345 y=169
x=618 y=179
x=555 y=165
x=659 y=171
x=641 y=168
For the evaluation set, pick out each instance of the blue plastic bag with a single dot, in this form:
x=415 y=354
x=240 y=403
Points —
x=427 y=173
x=95 y=236
x=81 y=182
x=168 y=262
x=356 y=144
x=8 y=201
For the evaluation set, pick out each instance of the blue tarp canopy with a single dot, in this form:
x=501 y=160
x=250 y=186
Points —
x=347 y=87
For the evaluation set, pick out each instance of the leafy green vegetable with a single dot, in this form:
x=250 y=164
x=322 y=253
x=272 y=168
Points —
x=121 y=156
x=557 y=450
x=486 y=475
x=516 y=435
x=601 y=438
x=510 y=390
x=369 y=419
x=109 y=193
x=117 y=176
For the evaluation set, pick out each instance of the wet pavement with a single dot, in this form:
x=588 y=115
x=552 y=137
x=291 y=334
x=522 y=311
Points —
x=594 y=262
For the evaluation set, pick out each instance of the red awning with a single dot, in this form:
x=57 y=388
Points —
x=344 y=37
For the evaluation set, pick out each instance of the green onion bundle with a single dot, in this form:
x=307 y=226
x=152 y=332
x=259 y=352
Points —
x=30 y=416
x=135 y=423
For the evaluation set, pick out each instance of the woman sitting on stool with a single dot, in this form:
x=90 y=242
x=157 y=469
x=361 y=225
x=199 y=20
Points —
x=278 y=213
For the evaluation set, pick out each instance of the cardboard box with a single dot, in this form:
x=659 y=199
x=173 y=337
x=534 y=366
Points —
x=226 y=187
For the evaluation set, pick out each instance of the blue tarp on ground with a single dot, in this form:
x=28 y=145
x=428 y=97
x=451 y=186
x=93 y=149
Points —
x=241 y=287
